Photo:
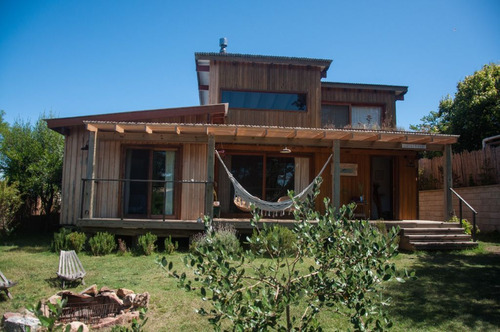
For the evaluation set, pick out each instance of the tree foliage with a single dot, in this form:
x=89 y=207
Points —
x=32 y=157
x=336 y=264
x=473 y=113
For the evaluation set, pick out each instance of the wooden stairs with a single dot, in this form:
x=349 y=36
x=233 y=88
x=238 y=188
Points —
x=432 y=235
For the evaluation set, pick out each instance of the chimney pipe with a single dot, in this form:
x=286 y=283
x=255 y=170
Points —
x=223 y=44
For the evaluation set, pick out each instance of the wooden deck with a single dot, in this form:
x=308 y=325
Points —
x=174 y=228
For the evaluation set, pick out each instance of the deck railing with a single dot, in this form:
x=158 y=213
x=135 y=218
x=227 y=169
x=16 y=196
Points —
x=474 y=213
x=123 y=183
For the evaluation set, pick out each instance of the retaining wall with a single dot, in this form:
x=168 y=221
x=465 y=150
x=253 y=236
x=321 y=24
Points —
x=484 y=199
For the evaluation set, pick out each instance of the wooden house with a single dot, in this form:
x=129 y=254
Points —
x=275 y=124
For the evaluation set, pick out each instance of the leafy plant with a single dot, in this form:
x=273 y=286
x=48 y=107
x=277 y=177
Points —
x=347 y=262
x=223 y=236
x=122 y=247
x=466 y=225
x=103 y=243
x=10 y=202
x=60 y=241
x=281 y=241
x=170 y=247
x=76 y=241
x=146 y=243
x=137 y=325
x=50 y=322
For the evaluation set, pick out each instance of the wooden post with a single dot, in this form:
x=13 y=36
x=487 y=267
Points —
x=209 y=186
x=447 y=182
x=88 y=205
x=336 y=174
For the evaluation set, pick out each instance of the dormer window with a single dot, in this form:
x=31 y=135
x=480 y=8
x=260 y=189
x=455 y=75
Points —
x=342 y=116
x=276 y=101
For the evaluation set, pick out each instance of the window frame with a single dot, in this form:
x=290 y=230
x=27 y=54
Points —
x=177 y=186
x=350 y=106
x=306 y=94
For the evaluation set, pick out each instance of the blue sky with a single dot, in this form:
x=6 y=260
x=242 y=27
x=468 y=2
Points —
x=75 y=58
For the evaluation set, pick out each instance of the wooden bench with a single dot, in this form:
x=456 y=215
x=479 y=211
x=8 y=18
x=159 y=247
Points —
x=5 y=285
x=70 y=267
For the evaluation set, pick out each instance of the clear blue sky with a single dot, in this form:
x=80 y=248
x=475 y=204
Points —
x=75 y=58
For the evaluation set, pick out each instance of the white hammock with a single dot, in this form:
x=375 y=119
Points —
x=244 y=199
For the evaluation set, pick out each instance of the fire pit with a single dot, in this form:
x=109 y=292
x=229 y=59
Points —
x=102 y=308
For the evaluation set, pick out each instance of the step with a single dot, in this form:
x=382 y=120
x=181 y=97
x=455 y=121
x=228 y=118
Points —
x=433 y=230
x=444 y=245
x=422 y=224
x=437 y=237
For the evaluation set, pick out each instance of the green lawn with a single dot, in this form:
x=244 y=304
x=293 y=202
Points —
x=455 y=291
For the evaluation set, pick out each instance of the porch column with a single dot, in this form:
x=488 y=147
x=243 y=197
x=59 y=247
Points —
x=336 y=174
x=447 y=182
x=209 y=187
x=88 y=198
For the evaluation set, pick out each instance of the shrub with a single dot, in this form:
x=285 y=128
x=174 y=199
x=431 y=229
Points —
x=466 y=225
x=102 y=243
x=10 y=201
x=170 y=247
x=224 y=236
x=279 y=240
x=122 y=247
x=76 y=241
x=60 y=241
x=146 y=243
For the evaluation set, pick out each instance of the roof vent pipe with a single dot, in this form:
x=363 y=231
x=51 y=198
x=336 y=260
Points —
x=223 y=44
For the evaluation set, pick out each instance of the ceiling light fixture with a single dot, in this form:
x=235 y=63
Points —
x=285 y=150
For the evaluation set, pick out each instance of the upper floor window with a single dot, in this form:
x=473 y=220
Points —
x=265 y=100
x=342 y=116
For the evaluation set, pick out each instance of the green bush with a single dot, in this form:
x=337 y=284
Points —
x=274 y=240
x=60 y=241
x=224 y=236
x=10 y=202
x=68 y=240
x=170 y=247
x=146 y=243
x=102 y=244
x=466 y=225
x=76 y=241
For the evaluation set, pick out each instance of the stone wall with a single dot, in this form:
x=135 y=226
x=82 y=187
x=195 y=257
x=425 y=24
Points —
x=484 y=199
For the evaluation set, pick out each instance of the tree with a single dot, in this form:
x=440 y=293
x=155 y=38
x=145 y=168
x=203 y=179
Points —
x=336 y=264
x=31 y=156
x=474 y=113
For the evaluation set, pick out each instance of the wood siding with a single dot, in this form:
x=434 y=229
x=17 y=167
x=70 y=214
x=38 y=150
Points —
x=363 y=97
x=194 y=166
x=74 y=169
x=108 y=167
x=271 y=78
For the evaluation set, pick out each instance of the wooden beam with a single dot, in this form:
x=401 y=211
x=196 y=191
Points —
x=119 y=129
x=447 y=182
x=336 y=174
x=148 y=129
x=88 y=203
x=209 y=187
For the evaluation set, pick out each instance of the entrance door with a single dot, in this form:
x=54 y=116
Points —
x=382 y=188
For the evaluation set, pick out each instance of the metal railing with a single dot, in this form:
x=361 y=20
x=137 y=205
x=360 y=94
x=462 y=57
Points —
x=474 y=213
x=123 y=190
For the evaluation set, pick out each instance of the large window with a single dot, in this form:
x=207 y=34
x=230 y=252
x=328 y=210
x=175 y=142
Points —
x=151 y=194
x=265 y=100
x=265 y=176
x=341 y=116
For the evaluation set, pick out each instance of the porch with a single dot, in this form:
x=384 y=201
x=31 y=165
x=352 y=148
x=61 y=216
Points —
x=414 y=234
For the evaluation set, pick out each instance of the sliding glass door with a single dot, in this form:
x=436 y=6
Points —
x=150 y=190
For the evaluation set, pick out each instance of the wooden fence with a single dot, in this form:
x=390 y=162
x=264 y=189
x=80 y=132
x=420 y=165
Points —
x=469 y=169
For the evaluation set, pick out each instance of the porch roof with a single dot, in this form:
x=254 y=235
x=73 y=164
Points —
x=271 y=135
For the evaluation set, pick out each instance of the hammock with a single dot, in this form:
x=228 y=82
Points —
x=243 y=199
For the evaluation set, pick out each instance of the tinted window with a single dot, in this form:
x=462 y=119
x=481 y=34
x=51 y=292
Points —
x=265 y=100
x=334 y=116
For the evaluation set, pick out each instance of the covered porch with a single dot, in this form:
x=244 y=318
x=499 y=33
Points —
x=103 y=198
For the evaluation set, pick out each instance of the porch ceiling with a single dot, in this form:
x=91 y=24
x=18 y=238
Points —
x=246 y=134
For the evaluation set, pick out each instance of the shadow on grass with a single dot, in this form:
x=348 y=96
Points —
x=452 y=288
x=28 y=242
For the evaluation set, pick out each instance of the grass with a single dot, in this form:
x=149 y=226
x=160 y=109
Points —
x=455 y=291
